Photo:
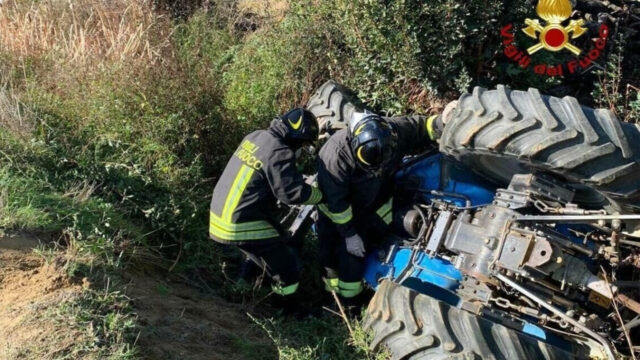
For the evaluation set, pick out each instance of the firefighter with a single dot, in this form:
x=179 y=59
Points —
x=261 y=172
x=355 y=169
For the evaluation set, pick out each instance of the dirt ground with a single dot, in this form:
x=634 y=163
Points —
x=29 y=289
x=179 y=322
x=174 y=321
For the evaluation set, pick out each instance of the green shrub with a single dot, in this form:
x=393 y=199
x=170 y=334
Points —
x=402 y=47
x=278 y=67
x=136 y=145
x=613 y=89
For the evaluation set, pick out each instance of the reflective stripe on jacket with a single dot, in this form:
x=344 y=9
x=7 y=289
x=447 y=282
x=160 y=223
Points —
x=350 y=191
x=261 y=171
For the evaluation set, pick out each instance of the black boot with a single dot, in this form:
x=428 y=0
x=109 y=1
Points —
x=291 y=306
x=248 y=270
x=353 y=306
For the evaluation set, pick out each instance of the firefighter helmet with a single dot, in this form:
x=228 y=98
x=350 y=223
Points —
x=301 y=124
x=373 y=142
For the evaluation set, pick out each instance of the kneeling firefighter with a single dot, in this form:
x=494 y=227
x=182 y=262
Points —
x=355 y=174
x=261 y=172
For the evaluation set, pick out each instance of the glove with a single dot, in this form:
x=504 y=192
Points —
x=355 y=246
x=448 y=111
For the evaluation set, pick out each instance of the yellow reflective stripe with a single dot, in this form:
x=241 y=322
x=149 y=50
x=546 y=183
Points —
x=231 y=227
x=385 y=211
x=223 y=228
x=315 y=197
x=232 y=193
x=223 y=234
x=284 y=291
x=338 y=218
x=350 y=289
x=331 y=284
x=359 y=154
x=317 y=194
x=430 y=131
x=388 y=218
x=237 y=188
x=350 y=285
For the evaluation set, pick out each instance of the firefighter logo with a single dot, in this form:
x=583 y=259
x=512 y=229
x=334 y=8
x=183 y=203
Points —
x=553 y=36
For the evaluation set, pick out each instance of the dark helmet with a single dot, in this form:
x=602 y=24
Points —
x=302 y=125
x=373 y=142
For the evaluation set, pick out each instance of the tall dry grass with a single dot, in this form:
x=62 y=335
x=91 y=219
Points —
x=13 y=117
x=83 y=31
x=64 y=45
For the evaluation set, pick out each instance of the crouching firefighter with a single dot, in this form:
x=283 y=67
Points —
x=355 y=174
x=244 y=210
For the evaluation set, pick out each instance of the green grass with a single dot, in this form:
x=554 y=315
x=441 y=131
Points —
x=82 y=315
x=104 y=322
x=326 y=338
x=88 y=224
x=100 y=315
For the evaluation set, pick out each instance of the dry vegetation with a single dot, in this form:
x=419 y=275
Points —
x=85 y=31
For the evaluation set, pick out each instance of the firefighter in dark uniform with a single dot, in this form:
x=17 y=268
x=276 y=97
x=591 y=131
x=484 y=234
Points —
x=355 y=173
x=261 y=172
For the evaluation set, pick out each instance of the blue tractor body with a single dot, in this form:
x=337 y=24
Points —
x=433 y=276
x=431 y=270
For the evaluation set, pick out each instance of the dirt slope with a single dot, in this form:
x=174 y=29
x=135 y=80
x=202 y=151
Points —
x=29 y=290
x=174 y=321
x=181 y=323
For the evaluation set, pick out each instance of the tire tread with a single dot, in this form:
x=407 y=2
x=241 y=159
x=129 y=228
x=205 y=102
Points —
x=446 y=332
x=556 y=135
x=333 y=105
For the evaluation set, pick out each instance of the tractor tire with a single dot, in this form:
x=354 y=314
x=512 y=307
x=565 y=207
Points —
x=333 y=105
x=413 y=326
x=502 y=132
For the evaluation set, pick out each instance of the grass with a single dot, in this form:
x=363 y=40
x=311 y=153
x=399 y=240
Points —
x=65 y=308
x=104 y=324
x=326 y=338
x=81 y=31
x=116 y=120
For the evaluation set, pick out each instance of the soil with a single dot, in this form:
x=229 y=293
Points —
x=179 y=322
x=29 y=289
x=174 y=320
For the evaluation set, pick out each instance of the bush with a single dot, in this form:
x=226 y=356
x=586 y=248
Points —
x=403 y=47
x=613 y=89
x=278 y=67
x=127 y=125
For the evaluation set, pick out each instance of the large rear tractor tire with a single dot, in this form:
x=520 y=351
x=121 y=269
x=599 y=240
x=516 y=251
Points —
x=417 y=327
x=333 y=105
x=501 y=132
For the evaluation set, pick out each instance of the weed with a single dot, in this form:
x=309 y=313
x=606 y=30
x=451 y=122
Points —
x=325 y=338
x=103 y=320
x=81 y=31
x=613 y=90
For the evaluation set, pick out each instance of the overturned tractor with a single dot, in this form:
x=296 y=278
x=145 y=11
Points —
x=518 y=239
